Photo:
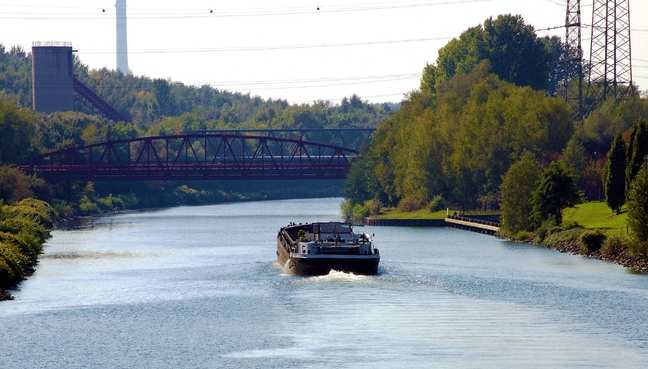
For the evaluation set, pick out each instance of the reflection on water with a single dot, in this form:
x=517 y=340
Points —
x=199 y=287
x=87 y=255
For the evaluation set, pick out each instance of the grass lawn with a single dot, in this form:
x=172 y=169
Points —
x=596 y=215
x=422 y=214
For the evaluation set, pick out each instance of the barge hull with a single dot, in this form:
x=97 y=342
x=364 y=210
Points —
x=323 y=265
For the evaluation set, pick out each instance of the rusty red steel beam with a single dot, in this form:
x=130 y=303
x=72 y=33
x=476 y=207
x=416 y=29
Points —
x=205 y=155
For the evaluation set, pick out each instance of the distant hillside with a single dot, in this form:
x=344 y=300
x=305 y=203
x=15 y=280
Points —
x=149 y=100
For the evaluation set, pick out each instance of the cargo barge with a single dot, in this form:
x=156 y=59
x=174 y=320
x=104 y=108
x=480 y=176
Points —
x=318 y=248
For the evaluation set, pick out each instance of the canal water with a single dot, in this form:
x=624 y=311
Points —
x=197 y=287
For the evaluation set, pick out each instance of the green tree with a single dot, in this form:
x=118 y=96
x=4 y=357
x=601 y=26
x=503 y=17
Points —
x=575 y=158
x=517 y=189
x=357 y=185
x=429 y=79
x=615 y=175
x=557 y=190
x=17 y=128
x=637 y=151
x=638 y=205
x=14 y=185
x=514 y=51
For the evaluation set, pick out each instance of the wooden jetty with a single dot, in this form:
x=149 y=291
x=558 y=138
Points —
x=472 y=224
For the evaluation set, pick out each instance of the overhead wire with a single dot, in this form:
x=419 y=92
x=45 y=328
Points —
x=214 y=13
x=267 y=48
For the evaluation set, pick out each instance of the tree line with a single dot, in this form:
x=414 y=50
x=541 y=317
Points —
x=147 y=101
x=157 y=107
x=488 y=130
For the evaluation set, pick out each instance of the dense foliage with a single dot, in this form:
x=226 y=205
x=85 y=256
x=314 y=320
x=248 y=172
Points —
x=485 y=103
x=157 y=107
x=637 y=150
x=638 y=206
x=556 y=191
x=514 y=51
x=460 y=143
x=148 y=100
x=615 y=175
x=518 y=186
x=24 y=227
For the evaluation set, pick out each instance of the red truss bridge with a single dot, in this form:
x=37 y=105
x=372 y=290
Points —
x=206 y=155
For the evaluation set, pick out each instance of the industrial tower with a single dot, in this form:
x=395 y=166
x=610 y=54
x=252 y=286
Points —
x=574 y=55
x=611 y=51
x=122 y=37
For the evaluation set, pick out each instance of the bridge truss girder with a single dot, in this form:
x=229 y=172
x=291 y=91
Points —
x=197 y=156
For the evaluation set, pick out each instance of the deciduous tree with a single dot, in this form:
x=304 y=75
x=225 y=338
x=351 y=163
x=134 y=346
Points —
x=557 y=190
x=517 y=189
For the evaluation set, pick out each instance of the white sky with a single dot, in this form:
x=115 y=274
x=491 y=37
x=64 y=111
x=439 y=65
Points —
x=378 y=72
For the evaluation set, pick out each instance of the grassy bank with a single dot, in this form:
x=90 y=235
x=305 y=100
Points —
x=422 y=214
x=593 y=230
x=24 y=228
x=597 y=215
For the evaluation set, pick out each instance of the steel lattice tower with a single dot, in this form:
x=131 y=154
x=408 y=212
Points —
x=574 y=54
x=611 y=51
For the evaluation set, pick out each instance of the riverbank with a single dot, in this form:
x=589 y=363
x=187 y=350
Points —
x=197 y=268
x=610 y=248
x=24 y=228
x=592 y=220
x=22 y=243
x=591 y=230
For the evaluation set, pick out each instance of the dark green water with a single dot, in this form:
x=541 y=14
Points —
x=197 y=287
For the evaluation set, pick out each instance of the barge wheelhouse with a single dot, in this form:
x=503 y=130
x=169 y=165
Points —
x=318 y=248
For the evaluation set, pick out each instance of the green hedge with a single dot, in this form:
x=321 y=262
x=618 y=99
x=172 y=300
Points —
x=24 y=227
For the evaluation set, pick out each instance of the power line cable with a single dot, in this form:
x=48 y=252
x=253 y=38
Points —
x=266 y=48
x=211 y=13
x=313 y=80
x=336 y=84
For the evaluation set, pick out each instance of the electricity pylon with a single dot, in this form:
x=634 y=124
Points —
x=611 y=49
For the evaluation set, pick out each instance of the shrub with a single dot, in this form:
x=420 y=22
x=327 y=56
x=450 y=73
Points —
x=110 y=202
x=570 y=225
x=639 y=248
x=564 y=239
x=591 y=241
x=14 y=184
x=347 y=210
x=39 y=210
x=63 y=209
x=437 y=203
x=7 y=275
x=27 y=246
x=24 y=224
x=359 y=213
x=523 y=236
x=128 y=200
x=16 y=261
x=373 y=206
x=33 y=244
x=409 y=204
x=546 y=228
x=615 y=245
x=86 y=206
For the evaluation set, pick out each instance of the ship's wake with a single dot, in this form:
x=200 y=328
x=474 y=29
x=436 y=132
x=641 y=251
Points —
x=337 y=276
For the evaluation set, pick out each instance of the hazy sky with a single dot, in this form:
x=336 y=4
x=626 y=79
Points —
x=375 y=48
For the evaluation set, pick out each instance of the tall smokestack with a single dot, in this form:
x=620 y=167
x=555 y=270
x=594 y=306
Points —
x=122 y=37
